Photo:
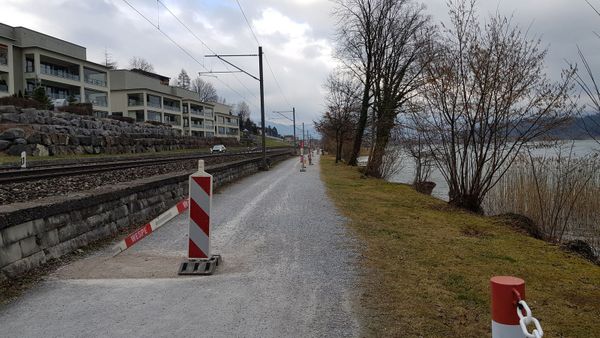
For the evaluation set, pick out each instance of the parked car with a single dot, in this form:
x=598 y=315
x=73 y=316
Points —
x=218 y=148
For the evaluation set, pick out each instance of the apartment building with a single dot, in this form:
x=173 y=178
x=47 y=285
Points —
x=29 y=59
x=198 y=116
x=145 y=96
x=226 y=124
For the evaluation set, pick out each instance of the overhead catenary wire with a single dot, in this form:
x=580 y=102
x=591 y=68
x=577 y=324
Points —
x=181 y=48
x=206 y=46
x=266 y=58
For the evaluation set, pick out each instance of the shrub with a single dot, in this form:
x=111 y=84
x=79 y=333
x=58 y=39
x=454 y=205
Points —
x=20 y=102
x=122 y=118
x=78 y=109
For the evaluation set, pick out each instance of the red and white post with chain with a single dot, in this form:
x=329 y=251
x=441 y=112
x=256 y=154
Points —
x=200 y=260
x=508 y=305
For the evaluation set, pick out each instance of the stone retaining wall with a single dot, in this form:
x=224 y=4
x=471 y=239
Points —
x=49 y=133
x=32 y=233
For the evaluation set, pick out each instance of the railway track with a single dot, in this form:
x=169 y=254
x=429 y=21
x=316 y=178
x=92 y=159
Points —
x=47 y=172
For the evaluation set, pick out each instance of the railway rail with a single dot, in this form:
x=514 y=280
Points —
x=47 y=172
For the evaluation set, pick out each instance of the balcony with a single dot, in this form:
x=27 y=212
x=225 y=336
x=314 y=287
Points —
x=96 y=98
x=95 y=82
x=94 y=77
x=58 y=71
x=197 y=112
x=172 y=107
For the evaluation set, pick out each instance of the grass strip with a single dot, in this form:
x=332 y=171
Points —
x=428 y=265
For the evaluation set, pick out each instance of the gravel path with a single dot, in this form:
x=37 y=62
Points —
x=289 y=271
x=28 y=191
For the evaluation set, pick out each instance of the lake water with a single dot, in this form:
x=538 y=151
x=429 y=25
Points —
x=407 y=173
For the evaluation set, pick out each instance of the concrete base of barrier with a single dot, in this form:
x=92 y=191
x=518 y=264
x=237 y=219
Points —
x=200 y=267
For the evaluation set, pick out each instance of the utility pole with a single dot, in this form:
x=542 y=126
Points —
x=293 y=119
x=262 y=107
x=302 y=135
x=260 y=79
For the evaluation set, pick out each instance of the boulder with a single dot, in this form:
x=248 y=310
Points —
x=9 y=118
x=8 y=109
x=4 y=144
x=12 y=133
x=40 y=150
x=20 y=141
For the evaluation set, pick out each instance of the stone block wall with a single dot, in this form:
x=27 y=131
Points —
x=32 y=233
x=49 y=133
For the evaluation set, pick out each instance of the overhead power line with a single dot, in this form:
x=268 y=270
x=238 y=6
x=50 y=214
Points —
x=181 y=48
x=205 y=45
x=266 y=59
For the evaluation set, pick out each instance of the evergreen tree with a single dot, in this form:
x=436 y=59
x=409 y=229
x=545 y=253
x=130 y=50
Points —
x=39 y=94
x=183 y=80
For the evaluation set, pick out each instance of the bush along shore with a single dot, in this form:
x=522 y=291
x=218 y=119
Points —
x=428 y=265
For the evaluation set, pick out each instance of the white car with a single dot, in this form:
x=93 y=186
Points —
x=218 y=148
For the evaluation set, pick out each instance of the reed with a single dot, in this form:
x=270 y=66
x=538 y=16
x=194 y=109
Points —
x=560 y=193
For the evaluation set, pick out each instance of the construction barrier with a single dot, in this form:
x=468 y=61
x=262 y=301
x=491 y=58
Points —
x=200 y=261
x=508 y=304
x=150 y=227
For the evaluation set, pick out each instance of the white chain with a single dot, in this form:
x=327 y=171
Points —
x=528 y=319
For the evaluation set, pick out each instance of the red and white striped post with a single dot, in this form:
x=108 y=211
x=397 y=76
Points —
x=510 y=312
x=505 y=321
x=200 y=261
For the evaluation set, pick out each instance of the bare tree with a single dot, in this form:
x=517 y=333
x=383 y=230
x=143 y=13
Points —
x=485 y=96
x=588 y=84
x=360 y=24
x=137 y=62
x=109 y=61
x=342 y=104
x=402 y=52
x=243 y=111
x=183 y=80
x=207 y=91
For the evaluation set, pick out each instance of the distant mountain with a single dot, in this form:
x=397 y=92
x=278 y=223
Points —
x=283 y=129
x=579 y=128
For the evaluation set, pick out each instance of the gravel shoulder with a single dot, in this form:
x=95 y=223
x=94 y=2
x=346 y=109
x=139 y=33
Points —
x=289 y=270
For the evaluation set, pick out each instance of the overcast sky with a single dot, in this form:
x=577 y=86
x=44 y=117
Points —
x=297 y=37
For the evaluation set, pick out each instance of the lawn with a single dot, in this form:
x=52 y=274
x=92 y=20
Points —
x=427 y=265
x=5 y=159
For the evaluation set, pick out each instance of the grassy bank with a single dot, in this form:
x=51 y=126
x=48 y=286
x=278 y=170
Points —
x=428 y=265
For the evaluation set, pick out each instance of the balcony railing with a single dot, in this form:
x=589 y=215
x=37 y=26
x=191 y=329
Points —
x=3 y=60
x=197 y=112
x=58 y=72
x=172 y=123
x=154 y=104
x=95 y=82
x=132 y=103
x=173 y=108
x=101 y=102
x=56 y=96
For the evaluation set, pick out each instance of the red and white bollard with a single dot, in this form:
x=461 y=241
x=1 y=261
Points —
x=200 y=261
x=508 y=304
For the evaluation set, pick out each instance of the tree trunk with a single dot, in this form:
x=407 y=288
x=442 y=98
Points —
x=362 y=123
x=338 y=154
x=468 y=202
x=376 y=158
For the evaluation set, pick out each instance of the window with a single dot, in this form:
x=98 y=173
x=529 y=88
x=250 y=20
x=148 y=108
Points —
x=136 y=99
x=154 y=101
x=94 y=77
x=96 y=98
x=154 y=116
x=29 y=68
x=101 y=114
x=3 y=54
x=137 y=114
